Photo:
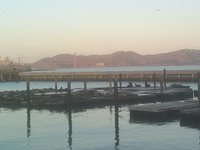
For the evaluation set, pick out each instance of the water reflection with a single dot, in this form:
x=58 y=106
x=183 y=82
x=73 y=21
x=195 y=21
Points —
x=70 y=124
x=28 y=121
x=116 y=116
x=28 y=112
x=161 y=120
x=117 y=126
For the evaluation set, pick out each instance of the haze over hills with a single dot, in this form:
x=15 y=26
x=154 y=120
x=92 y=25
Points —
x=121 y=58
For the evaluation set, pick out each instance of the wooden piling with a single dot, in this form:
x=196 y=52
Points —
x=110 y=86
x=69 y=87
x=199 y=90
x=161 y=86
x=154 y=84
x=56 y=85
x=146 y=84
x=85 y=84
x=1 y=77
x=27 y=85
x=198 y=83
x=116 y=88
x=120 y=80
x=164 y=78
x=28 y=91
x=154 y=80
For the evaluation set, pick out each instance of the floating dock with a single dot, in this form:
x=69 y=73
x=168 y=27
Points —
x=166 y=109
x=190 y=118
x=188 y=112
x=191 y=114
x=82 y=97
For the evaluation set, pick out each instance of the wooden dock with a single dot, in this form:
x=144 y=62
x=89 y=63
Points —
x=162 y=109
x=192 y=114
x=190 y=118
x=188 y=112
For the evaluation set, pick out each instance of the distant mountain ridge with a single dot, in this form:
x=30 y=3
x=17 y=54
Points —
x=121 y=58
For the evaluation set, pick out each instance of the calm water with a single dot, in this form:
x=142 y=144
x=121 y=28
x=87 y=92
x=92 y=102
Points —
x=88 y=129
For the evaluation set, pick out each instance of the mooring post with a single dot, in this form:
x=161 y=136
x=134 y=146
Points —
x=164 y=77
x=110 y=83
x=110 y=86
x=56 y=85
x=198 y=80
x=28 y=90
x=115 y=88
x=120 y=80
x=145 y=84
x=154 y=80
x=161 y=86
x=69 y=87
x=1 y=77
x=85 y=84
x=27 y=85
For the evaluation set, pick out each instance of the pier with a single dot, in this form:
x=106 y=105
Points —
x=153 y=76
x=157 y=77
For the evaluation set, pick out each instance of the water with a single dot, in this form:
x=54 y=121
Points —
x=89 y=129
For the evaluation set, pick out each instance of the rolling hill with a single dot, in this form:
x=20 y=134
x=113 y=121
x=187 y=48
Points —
x=121 y=58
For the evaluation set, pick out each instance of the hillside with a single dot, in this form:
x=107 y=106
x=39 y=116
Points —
x=121 y=58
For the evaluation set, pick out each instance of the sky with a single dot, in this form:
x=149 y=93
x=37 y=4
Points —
x=33 y=29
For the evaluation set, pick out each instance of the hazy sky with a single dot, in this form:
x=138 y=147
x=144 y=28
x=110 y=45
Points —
x=33 y=29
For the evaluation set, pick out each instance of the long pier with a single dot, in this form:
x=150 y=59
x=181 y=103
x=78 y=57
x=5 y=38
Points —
x=154 y=76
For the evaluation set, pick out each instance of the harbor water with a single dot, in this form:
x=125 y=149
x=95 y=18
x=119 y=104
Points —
x=89 y=129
